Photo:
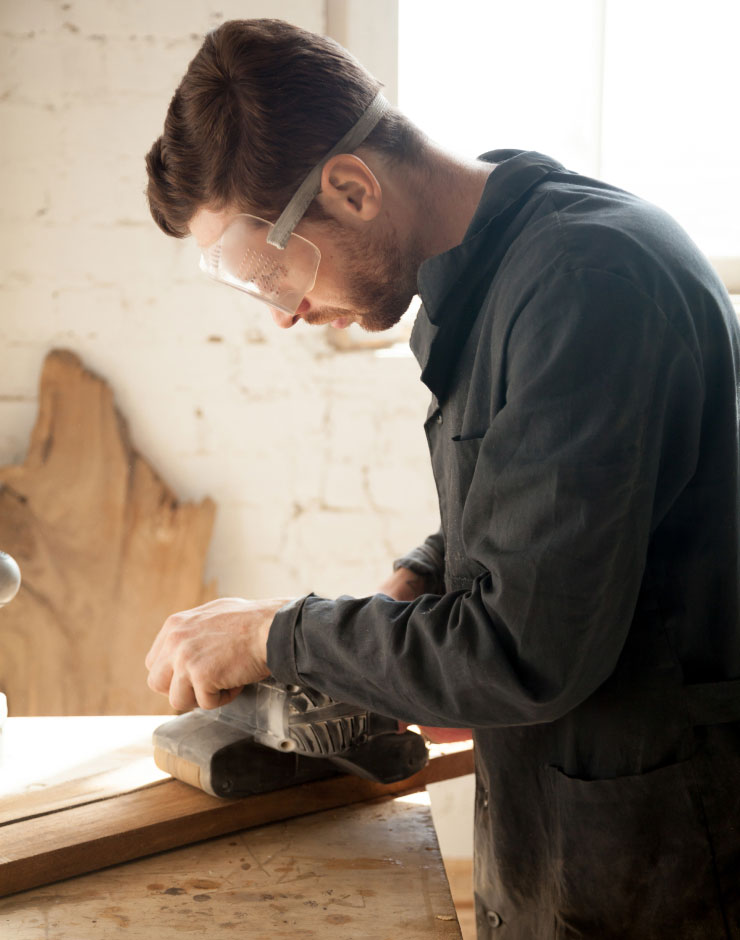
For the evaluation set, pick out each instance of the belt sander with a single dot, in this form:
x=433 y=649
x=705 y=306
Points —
x=274 y=735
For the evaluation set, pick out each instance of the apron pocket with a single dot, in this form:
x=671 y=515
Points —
x=631 y=858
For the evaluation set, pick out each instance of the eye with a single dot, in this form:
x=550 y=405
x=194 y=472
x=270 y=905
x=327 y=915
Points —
x=264 y=272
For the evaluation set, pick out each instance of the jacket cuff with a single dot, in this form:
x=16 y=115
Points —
x=281 y=659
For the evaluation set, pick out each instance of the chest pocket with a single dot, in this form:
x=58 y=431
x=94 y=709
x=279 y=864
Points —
x=457 y=469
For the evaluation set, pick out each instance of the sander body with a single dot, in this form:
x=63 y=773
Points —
x=274 y=735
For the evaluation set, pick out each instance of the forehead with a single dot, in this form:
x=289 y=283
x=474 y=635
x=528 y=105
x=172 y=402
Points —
x=206 y=225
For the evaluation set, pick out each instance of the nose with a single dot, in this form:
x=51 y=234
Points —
x=283 y=320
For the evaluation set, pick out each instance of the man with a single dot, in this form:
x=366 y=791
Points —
x=579 y=607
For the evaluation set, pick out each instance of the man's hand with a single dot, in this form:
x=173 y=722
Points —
x=205 y=656
x=406 y=585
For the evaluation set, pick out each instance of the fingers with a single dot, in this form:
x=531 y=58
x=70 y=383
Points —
x=188 y=683
x=170 y=646
x=216 y=699
x=203 y=670
x=160 y=678
x=184 y=696
x=205 y=656
x=181 y=693
x=227 y=695
x=171 y=625
x=171 y=642
x=194 y=675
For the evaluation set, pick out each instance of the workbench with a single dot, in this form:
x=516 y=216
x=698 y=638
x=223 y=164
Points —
x=371 y=870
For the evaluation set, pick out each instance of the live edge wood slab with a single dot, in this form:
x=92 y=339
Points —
x=106 y=549
x=62 y=833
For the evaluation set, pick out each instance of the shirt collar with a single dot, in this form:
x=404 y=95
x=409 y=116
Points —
x=449 y=283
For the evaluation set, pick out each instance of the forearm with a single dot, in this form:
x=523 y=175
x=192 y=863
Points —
x=426 y=561
x=439 y=661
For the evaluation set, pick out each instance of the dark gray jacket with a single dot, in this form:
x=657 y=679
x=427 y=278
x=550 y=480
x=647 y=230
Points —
x=583 y=360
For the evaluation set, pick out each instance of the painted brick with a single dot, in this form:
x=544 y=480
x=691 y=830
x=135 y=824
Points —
x=315 y=458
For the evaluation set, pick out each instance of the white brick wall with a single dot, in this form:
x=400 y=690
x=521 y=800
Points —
x=316 y=459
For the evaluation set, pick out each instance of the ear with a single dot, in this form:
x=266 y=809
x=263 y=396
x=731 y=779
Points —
x=350 y=190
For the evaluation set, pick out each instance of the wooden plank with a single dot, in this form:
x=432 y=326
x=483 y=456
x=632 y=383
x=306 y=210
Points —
x=371 y=871
x=48 y=764
x=50 y=847
x=106 y=552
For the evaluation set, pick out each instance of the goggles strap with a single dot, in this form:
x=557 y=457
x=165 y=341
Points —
x=311 y=186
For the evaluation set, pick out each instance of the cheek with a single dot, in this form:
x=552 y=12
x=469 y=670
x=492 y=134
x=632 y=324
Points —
x=329 y=280
x=343 y=258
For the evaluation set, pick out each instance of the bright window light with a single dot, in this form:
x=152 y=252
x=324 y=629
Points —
x=641 y=93
x=671 y=112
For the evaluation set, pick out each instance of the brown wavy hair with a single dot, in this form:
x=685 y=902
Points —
x=260 y=104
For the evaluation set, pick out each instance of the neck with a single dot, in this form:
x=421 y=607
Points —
x=440 y=200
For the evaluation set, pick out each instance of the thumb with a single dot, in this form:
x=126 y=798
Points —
x=209 y=700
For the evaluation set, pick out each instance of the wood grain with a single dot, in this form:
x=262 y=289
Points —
x=367 y=872
x=45 y=848
x=106 y=551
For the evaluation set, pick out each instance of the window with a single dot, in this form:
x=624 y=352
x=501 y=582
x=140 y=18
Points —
x=641 y=93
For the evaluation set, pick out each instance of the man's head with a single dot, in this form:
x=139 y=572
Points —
x=261 y=104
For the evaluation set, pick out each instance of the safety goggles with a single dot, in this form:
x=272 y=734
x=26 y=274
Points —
x=268 y=261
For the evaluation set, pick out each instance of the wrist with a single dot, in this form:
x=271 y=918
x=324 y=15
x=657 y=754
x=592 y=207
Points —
x=270 y=609
x=403 y=585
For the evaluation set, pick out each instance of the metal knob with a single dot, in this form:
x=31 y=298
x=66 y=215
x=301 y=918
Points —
x=10 y=578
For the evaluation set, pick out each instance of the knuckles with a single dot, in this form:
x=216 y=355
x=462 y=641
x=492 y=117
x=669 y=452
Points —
x=187 y=654
x=179 y=635
x=174 y=620
x=191 y=648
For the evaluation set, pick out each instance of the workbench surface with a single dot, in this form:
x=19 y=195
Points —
x=371 y=871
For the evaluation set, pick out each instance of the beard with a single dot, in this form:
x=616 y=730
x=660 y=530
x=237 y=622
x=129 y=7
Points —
x=380 y=279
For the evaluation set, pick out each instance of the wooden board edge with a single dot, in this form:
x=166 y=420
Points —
x=179 y=815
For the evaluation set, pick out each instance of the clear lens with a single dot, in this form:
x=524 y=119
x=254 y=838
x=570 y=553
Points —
x=243 y=259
